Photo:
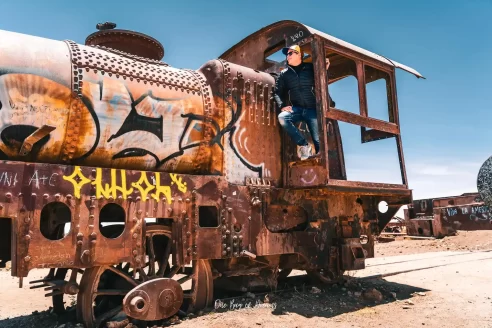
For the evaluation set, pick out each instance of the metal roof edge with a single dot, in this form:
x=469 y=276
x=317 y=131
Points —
x=364 y=51
x=332 y=39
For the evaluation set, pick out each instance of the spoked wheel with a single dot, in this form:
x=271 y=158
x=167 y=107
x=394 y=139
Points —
x=102 y=289
x=61 y=302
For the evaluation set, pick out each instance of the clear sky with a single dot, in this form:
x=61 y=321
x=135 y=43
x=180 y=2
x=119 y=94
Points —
x=444 y=119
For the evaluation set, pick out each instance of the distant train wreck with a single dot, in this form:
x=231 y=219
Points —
x=439 y=217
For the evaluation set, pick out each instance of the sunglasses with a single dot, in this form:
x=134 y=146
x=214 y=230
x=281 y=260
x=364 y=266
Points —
x=291 y=52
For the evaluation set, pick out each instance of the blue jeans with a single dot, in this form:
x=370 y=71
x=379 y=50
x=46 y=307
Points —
x=307 y=115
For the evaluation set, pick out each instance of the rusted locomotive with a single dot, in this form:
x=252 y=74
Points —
x=144 y=187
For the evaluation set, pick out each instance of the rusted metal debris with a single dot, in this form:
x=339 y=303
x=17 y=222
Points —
x=443 y=216
x=97 y=138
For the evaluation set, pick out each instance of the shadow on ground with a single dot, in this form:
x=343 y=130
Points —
x=305 y=299
x=326 y=301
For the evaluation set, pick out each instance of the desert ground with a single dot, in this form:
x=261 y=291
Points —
x=409 y=283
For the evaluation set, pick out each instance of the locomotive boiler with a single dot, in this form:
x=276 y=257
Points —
x=143 y=187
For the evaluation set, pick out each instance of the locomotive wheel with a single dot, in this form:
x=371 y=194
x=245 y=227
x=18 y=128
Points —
x=59 y=306
x=59 y=302
x=103 y=288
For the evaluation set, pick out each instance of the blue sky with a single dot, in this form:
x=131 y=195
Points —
x=444 y=120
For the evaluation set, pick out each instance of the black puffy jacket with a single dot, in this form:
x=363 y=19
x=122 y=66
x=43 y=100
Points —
x=292 y=89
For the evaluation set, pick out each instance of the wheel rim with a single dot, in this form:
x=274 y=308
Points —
x=103 y=288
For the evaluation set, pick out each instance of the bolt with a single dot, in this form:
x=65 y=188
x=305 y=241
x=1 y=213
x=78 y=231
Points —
x=224 y=253
x=187 y=200
x=93 y=235
x=46 y=196
x=227 y=232
x=79 y=243
x=228 y=249
x=229 y=209
x=27 y=219
x=33 y=195
x=27 y=258
x=27 y=237
x=224 y=245
x=134 y=220
x=135 y=236
x=188 y=233
x=234 y=237
x=235 y=254
x=69 y=196
x=139 y=212
x=80 y=235
x=8 y=195
x=135 y=252
x=241 y=237
x=195 y=253
x=57 y=196
x=224 y=236
x=91 y=216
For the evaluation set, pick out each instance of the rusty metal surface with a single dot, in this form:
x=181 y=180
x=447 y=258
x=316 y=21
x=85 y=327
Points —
x=295 y=32
x=93 y=135
x=154 y=300
x=445 y=215
x=131 y=42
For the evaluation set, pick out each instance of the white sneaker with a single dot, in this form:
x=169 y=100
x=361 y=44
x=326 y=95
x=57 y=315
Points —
x=304 y=152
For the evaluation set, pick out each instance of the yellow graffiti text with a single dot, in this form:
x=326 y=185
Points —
x=111 y=189
x=178 y=182
x=115 y=187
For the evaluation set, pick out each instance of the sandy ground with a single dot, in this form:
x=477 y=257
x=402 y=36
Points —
x=410 y=283
x=464 y=240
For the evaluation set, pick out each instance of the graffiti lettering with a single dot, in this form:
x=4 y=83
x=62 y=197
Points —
x=452 y=211
x=107 y=190
x=464 y=210
x=8 y=179
x=479 y=209
x=36 y=179
x=178 y=182
x=112 y=189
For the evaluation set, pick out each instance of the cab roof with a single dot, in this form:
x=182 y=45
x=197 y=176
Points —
x=251 y=50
